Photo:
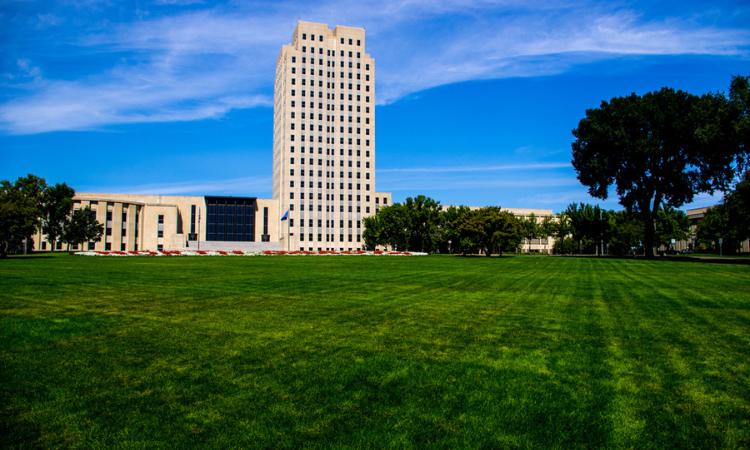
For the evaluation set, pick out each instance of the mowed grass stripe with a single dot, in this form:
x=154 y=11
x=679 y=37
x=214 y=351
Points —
x=434 y=352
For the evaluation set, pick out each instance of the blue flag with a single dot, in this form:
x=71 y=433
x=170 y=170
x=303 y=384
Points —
x=286 y=215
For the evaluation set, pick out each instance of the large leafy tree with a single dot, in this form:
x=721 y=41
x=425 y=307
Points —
x=627 y=233
x=588 y=225
x=490 y=230
x=449 y=239
x=83 y=227
x=662 y=148
x=671 y=224
x=56 y=207
x=424 y=220
x=531 y=229
x=20 y=210
x=549 y=227
x=388 y=227
x=412 y=225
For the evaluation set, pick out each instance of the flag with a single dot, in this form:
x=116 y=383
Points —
x=286 y=215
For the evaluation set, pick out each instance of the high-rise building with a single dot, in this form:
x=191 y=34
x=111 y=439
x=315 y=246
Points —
x=324 y=138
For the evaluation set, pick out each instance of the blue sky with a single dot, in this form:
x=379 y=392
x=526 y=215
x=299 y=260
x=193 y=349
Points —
x=476 y=99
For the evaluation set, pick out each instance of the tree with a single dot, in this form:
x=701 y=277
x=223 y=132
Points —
x=729 y=220
x=372 y=234
x=413 y=225
x=20 y=210
x=531 y=229
x=548 y=227
x=489 y=229
x=588 y=225
x=671 y=224
x=83 y=227
x=737 y=205
x=424 y=219
x=661 y=148
x=450 y=241
x=627 y=233
x=388 y=227
x=56 y=207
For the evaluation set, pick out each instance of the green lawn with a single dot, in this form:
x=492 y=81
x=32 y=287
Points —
x=373 y=352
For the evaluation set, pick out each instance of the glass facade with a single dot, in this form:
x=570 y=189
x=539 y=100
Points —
x=230 y=219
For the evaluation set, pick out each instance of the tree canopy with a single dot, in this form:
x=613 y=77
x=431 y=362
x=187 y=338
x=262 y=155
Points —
x=490 y=230
x=56 y=207
x=662 y=148
x=29 y=205
x=20 y=210
x=83 y=227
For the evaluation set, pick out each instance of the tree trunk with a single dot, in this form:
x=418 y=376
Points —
x=649 y=235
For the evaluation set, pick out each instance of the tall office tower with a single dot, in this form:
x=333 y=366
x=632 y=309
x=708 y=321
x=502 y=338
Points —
x=324 y=138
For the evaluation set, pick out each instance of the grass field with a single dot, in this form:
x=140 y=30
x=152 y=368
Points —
x=373 y=352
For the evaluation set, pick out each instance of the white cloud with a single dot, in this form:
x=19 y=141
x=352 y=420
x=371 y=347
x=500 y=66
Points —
x=197 y=65
x=514 y=167
x=192 y=187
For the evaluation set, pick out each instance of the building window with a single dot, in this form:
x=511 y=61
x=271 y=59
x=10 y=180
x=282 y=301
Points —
x=108 y=246
x=192 y=218
x=159 y=247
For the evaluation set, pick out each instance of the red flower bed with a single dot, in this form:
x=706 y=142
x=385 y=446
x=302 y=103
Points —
x=238 y=252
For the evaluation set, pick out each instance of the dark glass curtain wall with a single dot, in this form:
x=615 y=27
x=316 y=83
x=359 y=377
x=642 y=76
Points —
x=230 y=219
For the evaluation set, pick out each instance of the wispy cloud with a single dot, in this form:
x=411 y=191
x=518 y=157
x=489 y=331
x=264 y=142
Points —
x=202 y=64
x=236 y=186
x=479 y=169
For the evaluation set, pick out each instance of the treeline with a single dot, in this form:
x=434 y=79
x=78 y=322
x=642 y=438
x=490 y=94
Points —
x=29 y=205
x=587 y=229
x=421 y=224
